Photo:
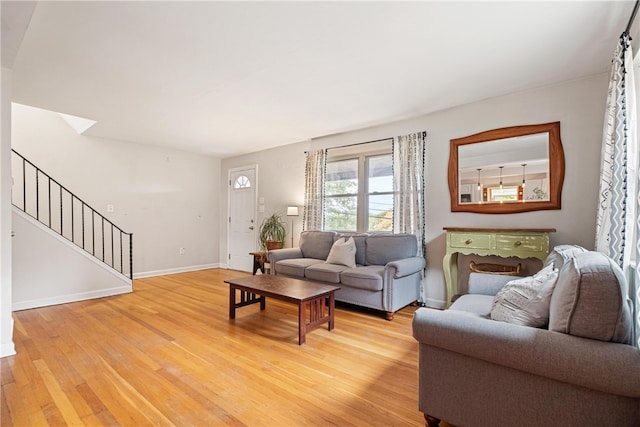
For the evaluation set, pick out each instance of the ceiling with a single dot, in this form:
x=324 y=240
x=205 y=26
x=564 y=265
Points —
x=228 y=78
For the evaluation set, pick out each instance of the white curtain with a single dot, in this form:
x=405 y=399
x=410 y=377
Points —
x=617 y=220
x=312 y=218
x=408 y=183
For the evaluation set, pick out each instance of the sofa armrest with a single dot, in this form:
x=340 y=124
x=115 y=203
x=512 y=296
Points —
x=604 y=366
x=406 y=267
x=276 y=255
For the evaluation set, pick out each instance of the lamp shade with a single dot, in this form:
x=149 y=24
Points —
x=292 y=211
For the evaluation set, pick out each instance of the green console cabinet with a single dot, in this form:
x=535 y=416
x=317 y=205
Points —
x=505 y=242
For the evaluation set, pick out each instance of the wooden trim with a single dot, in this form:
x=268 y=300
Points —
x=503 y=230
x=556 y=170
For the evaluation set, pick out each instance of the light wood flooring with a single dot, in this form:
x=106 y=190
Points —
x=167 y=354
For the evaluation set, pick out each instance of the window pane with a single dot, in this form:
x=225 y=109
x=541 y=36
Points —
x=242 y=182
x=340 y=213
x=341 y=177
x=380 y=197
x=380 y=174
x=380 y=215
x=497 y=194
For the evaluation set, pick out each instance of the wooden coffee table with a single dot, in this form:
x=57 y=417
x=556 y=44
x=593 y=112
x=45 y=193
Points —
x=255 y=289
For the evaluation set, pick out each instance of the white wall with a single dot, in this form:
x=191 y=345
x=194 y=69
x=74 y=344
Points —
x=6 y=321
x=167 y=198
x=48 y=270
x=578 y=105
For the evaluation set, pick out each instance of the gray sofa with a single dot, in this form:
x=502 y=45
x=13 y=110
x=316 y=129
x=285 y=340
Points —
x=386 y=276
x=577 y=370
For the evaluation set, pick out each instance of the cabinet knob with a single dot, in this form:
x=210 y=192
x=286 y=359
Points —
x=469 y=241
x=518 y=243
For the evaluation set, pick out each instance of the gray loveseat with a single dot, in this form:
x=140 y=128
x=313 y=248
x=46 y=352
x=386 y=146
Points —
x=386 y=276
x=578 y=370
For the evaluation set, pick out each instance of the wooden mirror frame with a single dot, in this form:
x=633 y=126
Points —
x=556 y=170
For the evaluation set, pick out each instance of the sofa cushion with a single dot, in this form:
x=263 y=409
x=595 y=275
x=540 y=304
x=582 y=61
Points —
x=367 y=277
x=525 y=301
x=316 y=244
x=591 y=300
x=361 y=245
x=295 y=267
x=474 y=303
x=561 y=254
x=324 y=272
x=343 y=252
x=382 y=249
x=488 y=284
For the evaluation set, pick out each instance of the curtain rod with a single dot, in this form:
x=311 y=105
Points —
x=359 y=143
x=424 y=135
x=633 y=16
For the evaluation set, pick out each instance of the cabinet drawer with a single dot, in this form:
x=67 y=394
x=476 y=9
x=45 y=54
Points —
x=506 y=242
x=475 y=241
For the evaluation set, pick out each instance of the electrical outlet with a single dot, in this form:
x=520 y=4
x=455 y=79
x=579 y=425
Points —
x=182 y=251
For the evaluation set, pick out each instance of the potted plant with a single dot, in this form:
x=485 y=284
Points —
x=272 y=233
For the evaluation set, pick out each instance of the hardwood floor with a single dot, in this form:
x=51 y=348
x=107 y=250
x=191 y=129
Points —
x=167 y=354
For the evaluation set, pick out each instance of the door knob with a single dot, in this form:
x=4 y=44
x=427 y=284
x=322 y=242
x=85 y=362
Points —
x=251 y=228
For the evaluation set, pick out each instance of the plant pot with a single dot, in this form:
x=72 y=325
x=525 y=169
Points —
x=273 y=244
x=272 y=232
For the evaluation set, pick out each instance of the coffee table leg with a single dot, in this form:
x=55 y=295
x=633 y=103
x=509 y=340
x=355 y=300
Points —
x=332 y=306
x=232 y=302
x=302 y=323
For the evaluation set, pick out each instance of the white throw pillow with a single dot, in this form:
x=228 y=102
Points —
x=526 y=301
x=343 y=252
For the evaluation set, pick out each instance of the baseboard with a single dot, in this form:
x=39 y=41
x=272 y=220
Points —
x=154 y=273
x=63 y=299
x=7 y=350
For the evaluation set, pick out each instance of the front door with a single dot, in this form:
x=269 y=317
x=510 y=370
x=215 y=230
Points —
x=242 y=208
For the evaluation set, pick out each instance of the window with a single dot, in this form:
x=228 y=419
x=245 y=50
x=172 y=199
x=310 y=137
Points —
x=358 y=192
x=341 y=195
x=505 y=194
x=379 y=199
x=242 y=182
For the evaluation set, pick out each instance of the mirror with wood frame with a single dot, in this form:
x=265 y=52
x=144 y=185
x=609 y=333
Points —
x=507 y=170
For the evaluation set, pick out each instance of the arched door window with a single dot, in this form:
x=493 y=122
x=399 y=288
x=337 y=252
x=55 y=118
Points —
x=242 y=182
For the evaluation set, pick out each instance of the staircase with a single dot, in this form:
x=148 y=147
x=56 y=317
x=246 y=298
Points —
x=46 y=200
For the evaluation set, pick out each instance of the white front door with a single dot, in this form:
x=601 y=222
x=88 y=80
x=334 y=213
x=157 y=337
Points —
x=242 y=226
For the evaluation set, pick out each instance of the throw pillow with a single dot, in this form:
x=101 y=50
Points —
x=526 y=301
x=343 y=252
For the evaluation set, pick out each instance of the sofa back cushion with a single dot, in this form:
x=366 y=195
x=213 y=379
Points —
x=591 y=300
x=361 y=245
x=316 y=244
x=385 y=248
x=561 y=254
